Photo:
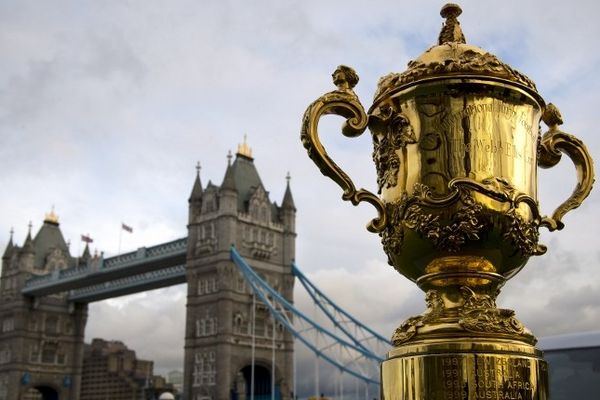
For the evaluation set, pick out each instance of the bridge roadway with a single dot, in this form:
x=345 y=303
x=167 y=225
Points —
x=144 y=269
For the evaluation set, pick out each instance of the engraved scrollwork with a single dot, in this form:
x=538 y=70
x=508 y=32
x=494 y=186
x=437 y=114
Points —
x=408 y=329
x=469 y=61
x=392 y=237
x=464 y=225
x=522 y=234
x=480 y=314
x=391 y=132
x=417 y=212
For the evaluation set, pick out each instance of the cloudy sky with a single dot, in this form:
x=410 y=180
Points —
x=105 y=108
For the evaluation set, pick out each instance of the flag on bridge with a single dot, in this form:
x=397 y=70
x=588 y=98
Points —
x=126 y=228
x=86 y=238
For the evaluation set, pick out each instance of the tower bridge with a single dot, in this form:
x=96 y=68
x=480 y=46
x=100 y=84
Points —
x=240 y=323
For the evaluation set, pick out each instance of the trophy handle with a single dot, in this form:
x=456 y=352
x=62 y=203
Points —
x=553 y=143
x=345 y=103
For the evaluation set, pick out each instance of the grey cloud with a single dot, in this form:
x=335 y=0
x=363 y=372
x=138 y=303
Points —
x=105 y=111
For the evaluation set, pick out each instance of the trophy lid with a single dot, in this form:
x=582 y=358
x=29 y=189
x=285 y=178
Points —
x=452 y=57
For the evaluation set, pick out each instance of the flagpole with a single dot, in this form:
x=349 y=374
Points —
x=120 y=237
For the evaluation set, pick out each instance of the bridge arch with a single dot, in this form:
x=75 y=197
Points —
x=43 y=391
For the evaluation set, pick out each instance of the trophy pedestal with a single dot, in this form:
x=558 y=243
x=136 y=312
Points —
x=465 y=369
x=463 y=347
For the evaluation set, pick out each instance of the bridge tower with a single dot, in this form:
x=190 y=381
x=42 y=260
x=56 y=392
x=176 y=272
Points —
x=41 y=339
x=220 y=335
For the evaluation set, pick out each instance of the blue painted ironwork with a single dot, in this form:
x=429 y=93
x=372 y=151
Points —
x=356 y=331
x=356 y=361
x=164 y=265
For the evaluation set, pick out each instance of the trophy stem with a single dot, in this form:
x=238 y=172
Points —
x=463 y=346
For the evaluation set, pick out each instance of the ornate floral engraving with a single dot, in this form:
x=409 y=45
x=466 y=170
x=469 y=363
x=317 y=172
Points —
x=477 y=313
x=392 y=237
x=464 y=225
x=408 y=329
x=468 y=62
x=522 y=234
x=480 y=314
x=419 y=213
x=391 y=132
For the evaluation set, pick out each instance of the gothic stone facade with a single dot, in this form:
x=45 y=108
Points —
x=41 y=340
x=218 y=339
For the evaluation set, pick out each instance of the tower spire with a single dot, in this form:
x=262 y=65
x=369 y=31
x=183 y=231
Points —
x=9 y=246
x=197 y=191
x=244 y=150
x=28 y=245
x=288 y=200
x=51 y=217
x=228 y=180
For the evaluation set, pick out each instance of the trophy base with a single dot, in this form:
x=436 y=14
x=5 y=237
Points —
x=465 y=369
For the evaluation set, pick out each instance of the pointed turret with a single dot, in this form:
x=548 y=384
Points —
x=9 y=247
x=197 y=191
x=195 y=200
x=228 y=193
x=229 y=179
x=288 y=218
x=28 y=245
x=49 y=239
x=288 y=200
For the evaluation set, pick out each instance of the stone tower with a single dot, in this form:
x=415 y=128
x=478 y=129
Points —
x=41 y=340
x=219 y=328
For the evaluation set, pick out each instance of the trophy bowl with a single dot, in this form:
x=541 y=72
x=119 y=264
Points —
x=456 y=145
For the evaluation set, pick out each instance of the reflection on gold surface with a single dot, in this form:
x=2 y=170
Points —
x=456 y=145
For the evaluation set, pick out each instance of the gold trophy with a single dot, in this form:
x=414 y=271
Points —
x=456 y=144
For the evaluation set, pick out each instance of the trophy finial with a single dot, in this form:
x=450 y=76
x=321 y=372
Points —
x=551 y=116
x=345 y=78
x=451 y=31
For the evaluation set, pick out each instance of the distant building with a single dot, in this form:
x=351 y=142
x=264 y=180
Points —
x=175 y=378
x=112 y=371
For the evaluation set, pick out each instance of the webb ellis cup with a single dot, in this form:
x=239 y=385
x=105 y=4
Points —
x=456 y=144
